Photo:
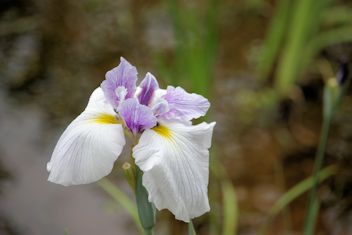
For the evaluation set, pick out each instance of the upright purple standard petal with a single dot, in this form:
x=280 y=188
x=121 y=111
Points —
x=136 y=116
x=184 y=106
x=124 y=76
x=148 y=86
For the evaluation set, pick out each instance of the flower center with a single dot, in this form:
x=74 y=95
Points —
x=163 y=131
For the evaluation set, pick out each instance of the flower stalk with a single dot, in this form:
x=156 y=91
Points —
x=146 y=210
x=191 y=230
x=333 y=93
x=313 y=205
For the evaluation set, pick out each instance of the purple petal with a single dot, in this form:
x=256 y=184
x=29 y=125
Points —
x=184 y=106
x=136 y=116
x=160 y=107
x=148 y=86
x=122 y=76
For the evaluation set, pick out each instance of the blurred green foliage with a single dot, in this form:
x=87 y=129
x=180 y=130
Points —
x=294 y=192
x=122 y=199
x=299 y=31
x=195 y=50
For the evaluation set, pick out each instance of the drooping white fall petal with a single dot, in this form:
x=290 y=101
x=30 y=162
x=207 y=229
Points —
x=175 y=161
x=89 y=146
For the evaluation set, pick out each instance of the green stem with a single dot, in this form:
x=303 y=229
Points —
x=333 y=94
x=191 y=230
x=313 y=207
x=148 y=232
x=300 y=28
x=146 y=210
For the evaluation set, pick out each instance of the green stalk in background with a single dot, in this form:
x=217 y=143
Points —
x=230 y=210
x=326 y=38
x=293 y=193
x=274 y=38
x=122 y=199
x=294 y=39
x=339 y=15
x=333 y=93
x=301 y=27
x=195 y=49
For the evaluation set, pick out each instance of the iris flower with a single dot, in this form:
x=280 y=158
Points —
x=171 y=152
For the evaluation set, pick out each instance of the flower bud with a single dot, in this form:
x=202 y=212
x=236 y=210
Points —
x=129 y=174
x=331 y=94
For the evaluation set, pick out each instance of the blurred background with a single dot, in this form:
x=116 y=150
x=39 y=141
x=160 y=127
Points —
x=263 y=64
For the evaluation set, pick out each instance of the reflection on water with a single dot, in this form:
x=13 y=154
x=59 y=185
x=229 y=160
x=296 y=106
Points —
x=29 y=204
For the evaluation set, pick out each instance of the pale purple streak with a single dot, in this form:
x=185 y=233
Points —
x=122 y=76
x=136 y=116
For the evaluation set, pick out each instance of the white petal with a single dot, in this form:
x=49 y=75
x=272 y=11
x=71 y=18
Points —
x=88 y=148
x=175 y=161
x=157 y=95
x=160 y=107
x=98 y=103
x=159 y=104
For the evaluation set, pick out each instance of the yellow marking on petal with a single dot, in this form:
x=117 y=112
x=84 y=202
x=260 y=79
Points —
x=106 y=119
x=163 y=131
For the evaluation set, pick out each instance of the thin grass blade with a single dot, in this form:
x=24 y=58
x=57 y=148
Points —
x=296 y=191
x=230 y=209
x=122 y=199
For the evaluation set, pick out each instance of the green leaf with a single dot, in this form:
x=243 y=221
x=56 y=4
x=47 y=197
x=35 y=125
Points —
x=274 y=37
x=230 y=209
x=338 y=15
x=146 y=210
x=122 y=199
x=301 y=188
x=295 y=192
x=327 y=38
x=306 y=20
x=196 y=45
